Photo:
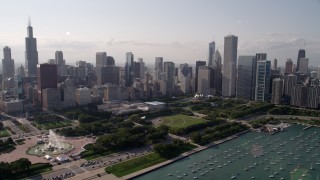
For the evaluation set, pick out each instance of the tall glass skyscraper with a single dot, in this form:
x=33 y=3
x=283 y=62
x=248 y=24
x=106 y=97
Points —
x=229 y=66
x=301 y=54
x=263 y=80
x=31 y=53
x=212 y=48
x=245 y=81
x=129 y=69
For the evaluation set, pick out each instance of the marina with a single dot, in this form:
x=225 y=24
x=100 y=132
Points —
x=291 y=154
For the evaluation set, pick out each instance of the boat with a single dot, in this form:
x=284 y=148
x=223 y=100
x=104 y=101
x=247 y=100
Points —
x=233 y=177
x=271 y=176
x=169 y=174
x=252 y=177
x=195 y=177
x=311 y=167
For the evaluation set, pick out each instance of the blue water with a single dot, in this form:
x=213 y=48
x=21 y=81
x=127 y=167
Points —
x=292 y=154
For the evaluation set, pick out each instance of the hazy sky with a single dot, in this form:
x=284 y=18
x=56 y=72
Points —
x=178 y=30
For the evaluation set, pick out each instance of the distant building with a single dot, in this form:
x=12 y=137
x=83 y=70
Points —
x=112 y=93
x=185 y=78
x=217 y=78
x=31 y=53
x=289 y=82
x=101 y=59
x=262 y=80
x=229 y=66
x=68 y=98
x=129 y=69
x=7 y=63
x=303 y=66
x=47 y=76
x=110 y=61
x=83 y=96
x=313 y=97
x=212 y=48
x=246 y=76
x=158 y=70
x=169 y=72
x=300 y=96
x=51 y=98
x=289 y=67
x=108 y=74
x=198 y=64
x=301 y=54
x=205 y=80
x=277 y=85
x=275 y=64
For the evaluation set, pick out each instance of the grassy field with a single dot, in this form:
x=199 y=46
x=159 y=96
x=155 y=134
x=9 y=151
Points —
x=135 y=165
x=52 y=125
x=4 y=133
x=180 y=121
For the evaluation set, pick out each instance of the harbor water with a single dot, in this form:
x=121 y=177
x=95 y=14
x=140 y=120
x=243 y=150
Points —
x=291 y=154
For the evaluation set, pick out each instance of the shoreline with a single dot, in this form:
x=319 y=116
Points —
x=182 y=156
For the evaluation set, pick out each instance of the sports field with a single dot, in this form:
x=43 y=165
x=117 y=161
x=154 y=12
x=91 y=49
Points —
x=181 y=121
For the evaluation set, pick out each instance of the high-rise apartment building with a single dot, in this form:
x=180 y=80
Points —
x=212 y=48
x=245 y=81
x=289 y=82
x=108 y=75
x=289 y=67
x=277 y=86
x=31 y=53
x=7 y=63
x=229 y=66
x=129 y=69
x=262 y=80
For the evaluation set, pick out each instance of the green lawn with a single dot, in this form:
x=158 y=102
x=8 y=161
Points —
x=4 y=133
x=52 y=125
x=181 y=121
x=135 y=165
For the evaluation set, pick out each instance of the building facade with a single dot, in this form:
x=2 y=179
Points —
x=229 y=66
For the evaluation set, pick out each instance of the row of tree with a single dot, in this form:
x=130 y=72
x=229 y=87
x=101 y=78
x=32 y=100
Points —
x=286 y=110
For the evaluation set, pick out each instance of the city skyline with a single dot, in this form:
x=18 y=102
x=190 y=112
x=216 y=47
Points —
x=180 y=34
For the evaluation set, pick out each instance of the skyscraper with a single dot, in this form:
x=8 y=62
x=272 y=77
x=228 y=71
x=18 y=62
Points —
x=289 y=82
x=212 y=47
x=185 y=75
x=7 y=63
x=47 y=76
x=262 y=80
x=101 y=59
x=61 y=64
x=275 y=64
x=169 y=71
x=31 y=53
x=198 y=64
x=289 y=67
x=303 y=66
x=158 y=68
x=301 y=54
x=245 y=82
x=205 y=80
x=277 y=85
x=229 y=66
x=217 y=67
x=129 y=69
x=110 y=61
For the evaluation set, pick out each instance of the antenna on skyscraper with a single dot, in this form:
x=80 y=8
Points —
x=29 y=21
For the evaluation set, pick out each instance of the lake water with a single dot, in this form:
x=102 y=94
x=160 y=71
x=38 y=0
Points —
x=292 y=154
